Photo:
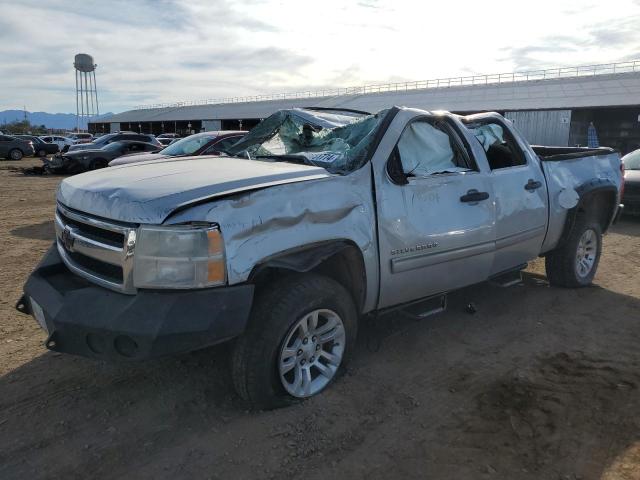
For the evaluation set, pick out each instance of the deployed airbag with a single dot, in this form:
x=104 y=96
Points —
x=425 y=150
x=488 y=135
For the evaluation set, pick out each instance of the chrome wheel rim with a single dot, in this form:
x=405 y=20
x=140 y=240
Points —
x=15 y=155
x=311 y=353
x=586 y=254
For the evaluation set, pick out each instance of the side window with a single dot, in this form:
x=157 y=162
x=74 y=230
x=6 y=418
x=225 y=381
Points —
x=222 y=145
x=150 y=148
x=500 y=147
x=428 y=148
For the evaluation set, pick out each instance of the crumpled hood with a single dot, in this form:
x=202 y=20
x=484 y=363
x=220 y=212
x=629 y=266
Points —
x=148 y=192
x=137 y=157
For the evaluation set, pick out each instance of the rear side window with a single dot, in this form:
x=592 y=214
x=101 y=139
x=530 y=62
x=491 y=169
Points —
x=223 y=145
x=139 y=138
x=135 y=147
x=499 y=145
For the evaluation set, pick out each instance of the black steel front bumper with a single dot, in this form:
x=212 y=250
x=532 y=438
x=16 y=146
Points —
x=84 y=319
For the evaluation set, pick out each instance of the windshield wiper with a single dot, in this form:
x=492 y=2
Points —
x=296 y=158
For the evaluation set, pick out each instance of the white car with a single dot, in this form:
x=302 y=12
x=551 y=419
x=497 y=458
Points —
x=62 y=142
x=80 y=137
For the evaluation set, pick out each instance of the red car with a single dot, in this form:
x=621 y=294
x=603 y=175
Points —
x=206 y=143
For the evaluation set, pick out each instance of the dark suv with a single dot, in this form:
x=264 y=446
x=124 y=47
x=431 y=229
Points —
x=13 y=148
x=116 y=137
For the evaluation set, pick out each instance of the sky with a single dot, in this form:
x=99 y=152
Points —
x=171 y=50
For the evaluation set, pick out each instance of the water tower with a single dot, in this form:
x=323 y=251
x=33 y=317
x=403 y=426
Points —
x=86 y=92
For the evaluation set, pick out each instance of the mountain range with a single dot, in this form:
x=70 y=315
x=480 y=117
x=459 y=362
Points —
x=61 y=121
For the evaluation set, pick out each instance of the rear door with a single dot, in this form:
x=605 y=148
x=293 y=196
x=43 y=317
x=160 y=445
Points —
x=435 y=210
x=520 y=192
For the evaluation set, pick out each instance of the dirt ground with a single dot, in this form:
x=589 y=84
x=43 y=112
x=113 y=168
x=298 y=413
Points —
x=539 y=383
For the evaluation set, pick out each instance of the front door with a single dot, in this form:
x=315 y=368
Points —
x=520 y=193
x=435 y=213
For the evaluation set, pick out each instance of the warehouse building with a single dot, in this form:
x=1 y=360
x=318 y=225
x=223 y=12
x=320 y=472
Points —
x=550 y=107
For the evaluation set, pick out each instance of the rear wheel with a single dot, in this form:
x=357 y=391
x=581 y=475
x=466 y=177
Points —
x=574 y=264
x=41 y=153
x=301 y=333
x=15 y=154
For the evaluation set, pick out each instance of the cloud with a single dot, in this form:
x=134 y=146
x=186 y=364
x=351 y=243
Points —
x=157 y=51
x=594 y=38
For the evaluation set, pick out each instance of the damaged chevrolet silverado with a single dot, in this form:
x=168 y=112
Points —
x=315 y=221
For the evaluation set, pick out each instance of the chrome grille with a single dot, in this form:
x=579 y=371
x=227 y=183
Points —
x=98 y=250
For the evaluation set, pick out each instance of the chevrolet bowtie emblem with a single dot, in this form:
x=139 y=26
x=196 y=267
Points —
x=67 y=239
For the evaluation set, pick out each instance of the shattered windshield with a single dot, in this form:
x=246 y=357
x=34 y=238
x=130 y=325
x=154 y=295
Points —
x=187 y=146
x=339 y=143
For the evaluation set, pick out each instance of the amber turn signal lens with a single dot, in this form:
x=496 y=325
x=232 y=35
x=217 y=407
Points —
x=215 y=271
x=215 y=242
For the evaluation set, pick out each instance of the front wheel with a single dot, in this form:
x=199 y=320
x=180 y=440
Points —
x=15 y=154
x=574 y=264
x=301 y=333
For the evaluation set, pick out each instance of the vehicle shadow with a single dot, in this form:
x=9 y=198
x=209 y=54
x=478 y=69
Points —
x=519 y=365
x=627 y=225
x=39 y=231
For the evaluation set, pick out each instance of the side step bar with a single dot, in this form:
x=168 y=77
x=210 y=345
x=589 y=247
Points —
x=508 y=278
x=425 y=307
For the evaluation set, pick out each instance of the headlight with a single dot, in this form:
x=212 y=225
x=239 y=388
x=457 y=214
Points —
x=183 y=256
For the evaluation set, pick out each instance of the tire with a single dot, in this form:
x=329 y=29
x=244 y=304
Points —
x=41 y=153
x=562 y=265
x=97 y=164
x=258 y=354
x=15 y=154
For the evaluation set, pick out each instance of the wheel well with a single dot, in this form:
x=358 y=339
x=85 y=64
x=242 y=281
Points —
x=599 y=205
x=341 y=261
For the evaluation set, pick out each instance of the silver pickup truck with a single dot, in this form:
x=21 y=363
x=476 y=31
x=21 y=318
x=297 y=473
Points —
x=315 y=221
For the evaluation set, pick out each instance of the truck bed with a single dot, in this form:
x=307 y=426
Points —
x=552 y=154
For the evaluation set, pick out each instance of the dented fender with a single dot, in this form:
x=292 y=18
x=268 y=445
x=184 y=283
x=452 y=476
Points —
x=260 y=227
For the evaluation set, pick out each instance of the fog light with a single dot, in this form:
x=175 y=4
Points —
x=125 y=346
x=96 y=343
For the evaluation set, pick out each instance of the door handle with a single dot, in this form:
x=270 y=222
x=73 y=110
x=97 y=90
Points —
x=473 y=196
x=532 y=185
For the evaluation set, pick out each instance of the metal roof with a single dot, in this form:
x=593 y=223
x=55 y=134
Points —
x=593 y=86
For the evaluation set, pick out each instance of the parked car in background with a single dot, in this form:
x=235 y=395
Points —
x=205 y=143
x=116 y=137
x=80 y=137
x=168 y=135
x=13 y=148
x=631 y=196
x=93 y=159
x=166 y=141
x=63 y=142
x=41 y=147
